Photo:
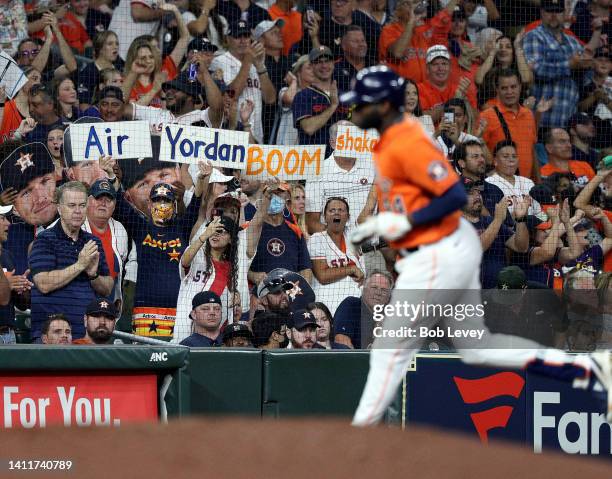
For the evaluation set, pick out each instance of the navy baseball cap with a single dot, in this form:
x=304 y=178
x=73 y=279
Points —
x=301 y=318
x=102 y=306
x=320 y=52
x=236 y=330
x=182 y=83
x=580 y=118
x=239 y=29
x=205 y=297
x=162 y=191
x=111 y=91
x=24 y=164
x=202 y=44
x=102 y=187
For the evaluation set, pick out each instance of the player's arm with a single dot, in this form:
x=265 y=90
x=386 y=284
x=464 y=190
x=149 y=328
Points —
x=439 y=207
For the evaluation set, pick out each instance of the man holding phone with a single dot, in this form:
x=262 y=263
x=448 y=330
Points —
x=245 y=72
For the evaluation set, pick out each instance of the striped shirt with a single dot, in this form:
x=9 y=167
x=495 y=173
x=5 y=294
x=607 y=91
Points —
x=54 y=250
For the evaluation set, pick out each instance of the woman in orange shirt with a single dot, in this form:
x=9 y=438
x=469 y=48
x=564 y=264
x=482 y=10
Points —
x=17 y=109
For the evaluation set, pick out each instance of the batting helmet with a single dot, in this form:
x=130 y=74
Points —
x=375 y=85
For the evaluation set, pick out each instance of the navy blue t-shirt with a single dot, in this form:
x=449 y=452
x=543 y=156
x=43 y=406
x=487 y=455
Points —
x=197 y=340
x=54 y=250
x=544 y=273
x=19 y=238
x=280 y=247
x=312 y=102
x=249 y=211
x=493 y=259
x=347 y=319
x=159 y=250
x=592 y=157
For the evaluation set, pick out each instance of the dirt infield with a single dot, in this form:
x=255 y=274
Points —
x=246 y=449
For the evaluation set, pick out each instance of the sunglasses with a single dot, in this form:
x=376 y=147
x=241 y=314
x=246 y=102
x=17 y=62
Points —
x=27 y=53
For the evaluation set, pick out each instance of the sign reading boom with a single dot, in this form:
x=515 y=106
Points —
x=188 y=144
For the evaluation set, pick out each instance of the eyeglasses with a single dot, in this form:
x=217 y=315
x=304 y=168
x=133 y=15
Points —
x=27 y=53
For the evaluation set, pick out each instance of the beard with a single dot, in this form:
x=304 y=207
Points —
x=370 y=120
x=100 y=336
x=179 y=103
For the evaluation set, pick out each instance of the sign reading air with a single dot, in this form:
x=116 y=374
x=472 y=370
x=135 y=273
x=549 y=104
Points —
x=124 y=139
x=96 y=400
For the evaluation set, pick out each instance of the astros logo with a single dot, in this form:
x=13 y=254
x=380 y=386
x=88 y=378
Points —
x=474 y=391
x=276 y=247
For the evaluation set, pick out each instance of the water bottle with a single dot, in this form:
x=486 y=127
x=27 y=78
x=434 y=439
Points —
x=193 y=71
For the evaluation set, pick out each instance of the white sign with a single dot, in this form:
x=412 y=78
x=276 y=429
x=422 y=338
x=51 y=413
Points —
x=12 y=77
x=353 y=142
x=121 y=139
x=188 y=144
x=300 y=162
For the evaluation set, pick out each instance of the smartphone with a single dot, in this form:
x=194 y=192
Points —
x=310 y=15
x=449 y=116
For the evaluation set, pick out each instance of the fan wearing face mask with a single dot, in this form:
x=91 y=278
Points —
x=282 y=243
x=338 y=269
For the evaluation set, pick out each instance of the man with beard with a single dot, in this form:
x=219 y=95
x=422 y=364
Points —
x=206 y=317
x=420 y=202
x=27 y=180
x=303 y=330
x=469 y=159
x=495 y=236
x=100 y=319
x=273 y=296
x=86 y=171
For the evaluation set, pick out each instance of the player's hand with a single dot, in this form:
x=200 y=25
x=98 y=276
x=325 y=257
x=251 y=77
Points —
x=8 y=196
x=501 y=209
x=387 y=224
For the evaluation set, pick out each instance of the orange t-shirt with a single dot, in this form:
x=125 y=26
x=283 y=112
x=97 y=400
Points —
x=107 y=245
x=82 y=341
x=292 y=29
x=139 y=90
x=580 y=169
x=74 y=32
x=412 y=64
x=431 y=96
x=523 y=130
x=10 y=120
x=408 y=183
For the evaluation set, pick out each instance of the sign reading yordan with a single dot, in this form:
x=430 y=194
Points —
x=188 y=144
x=123 y=139
x=94 y=400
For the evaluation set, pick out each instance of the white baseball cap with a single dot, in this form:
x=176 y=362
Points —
x=435 y=52
x=217 y=177
x=5 y=209
x=265 y=26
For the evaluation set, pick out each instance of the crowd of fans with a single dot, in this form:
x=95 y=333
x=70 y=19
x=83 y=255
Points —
x=516 y=93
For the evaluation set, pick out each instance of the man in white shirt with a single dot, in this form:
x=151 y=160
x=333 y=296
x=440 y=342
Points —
x=342 y=177
x=133 y=18
x=512 y=185
x=245 y=73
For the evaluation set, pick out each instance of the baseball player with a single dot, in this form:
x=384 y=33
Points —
x=419 y=199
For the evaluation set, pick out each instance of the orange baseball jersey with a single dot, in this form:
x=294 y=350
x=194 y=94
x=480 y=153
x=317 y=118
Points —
x=412 y=171
x=580 y=169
